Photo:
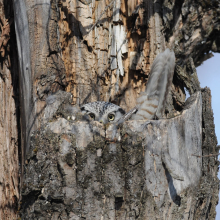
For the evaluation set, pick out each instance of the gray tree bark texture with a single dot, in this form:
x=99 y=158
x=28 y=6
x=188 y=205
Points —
x=72 y=169
x=148 y=170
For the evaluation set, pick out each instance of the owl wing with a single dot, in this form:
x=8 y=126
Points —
x=151 y=102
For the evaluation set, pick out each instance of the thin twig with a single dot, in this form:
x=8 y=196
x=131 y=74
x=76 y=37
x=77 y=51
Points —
x=127 y=115
x=210 y=155
x=107 y=6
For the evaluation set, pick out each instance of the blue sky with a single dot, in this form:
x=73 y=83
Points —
x=209 y=75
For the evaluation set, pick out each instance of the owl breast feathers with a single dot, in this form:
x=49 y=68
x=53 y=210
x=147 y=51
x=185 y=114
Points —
x=150 y=103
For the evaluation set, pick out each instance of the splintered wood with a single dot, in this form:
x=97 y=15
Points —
x=5 y=34
x=102 y=50
x=95 y=45
x=108 y=46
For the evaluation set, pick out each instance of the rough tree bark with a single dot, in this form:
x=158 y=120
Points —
x=76 y=170
x=69 y=166
x=9 y=115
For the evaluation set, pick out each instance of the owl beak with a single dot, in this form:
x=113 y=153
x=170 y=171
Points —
x=101 y=122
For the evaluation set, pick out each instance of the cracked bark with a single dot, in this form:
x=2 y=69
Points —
x=66 y=177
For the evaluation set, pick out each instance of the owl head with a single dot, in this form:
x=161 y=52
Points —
x=104 y=112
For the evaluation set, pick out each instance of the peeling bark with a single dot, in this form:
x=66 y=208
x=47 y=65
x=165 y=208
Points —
x=75 y=170
x=9 y=116
x=66 y=53
x=71 y=166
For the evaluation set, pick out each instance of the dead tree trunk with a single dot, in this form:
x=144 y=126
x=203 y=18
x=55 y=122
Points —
x=103 y=50
x=149 y=170
x=9 y=115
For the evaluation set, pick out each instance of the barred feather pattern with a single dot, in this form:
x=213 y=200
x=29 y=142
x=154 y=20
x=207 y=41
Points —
x=151 y=103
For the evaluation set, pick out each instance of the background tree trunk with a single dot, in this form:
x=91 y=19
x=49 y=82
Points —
x=59 y=50
x=9 y=115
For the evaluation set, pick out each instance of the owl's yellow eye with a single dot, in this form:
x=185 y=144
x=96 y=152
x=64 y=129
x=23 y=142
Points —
x=111 y=117
x=92 y=116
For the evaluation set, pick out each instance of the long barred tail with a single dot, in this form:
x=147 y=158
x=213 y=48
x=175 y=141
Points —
x=151 y=102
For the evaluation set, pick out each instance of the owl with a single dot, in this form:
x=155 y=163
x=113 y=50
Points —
x=104 y=112
x=150 y=104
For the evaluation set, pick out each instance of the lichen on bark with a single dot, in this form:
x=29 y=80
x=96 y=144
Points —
x=79 y=171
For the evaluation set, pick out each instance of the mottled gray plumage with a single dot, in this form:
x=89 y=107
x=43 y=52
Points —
x=103 y=112
x=150 y=103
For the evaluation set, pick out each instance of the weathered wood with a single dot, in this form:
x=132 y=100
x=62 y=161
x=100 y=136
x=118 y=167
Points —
x=9 y=116
x=41 y=68
x=53 y=50
x=147 y=171
x=114 y=42
x=116 y=10
x=134 y=57
x=23 y=44
x=124 y=47
x=114 y=63
x=119 y=43
x=54 y=47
